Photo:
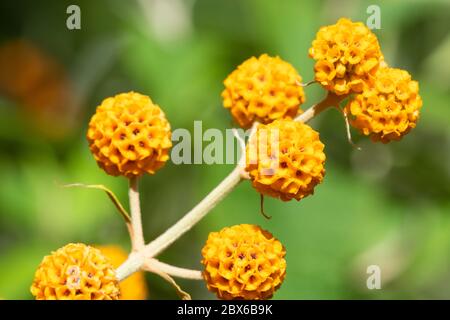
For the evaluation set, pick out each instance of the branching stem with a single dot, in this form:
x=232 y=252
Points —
x=151 y=250
x=195 y=215
x=174 y=271
x=137 y=239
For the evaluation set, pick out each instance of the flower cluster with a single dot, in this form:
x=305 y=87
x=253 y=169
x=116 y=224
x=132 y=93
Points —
x=129 y=135
x=243 y=262
x=346 y=54
x=285 y=159
x=75 y=272
x=263 y=89
x=388 y=108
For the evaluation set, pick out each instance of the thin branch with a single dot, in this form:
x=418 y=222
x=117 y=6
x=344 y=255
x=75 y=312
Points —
x=173 y=270
x=137 y=239
x=195 y=215
x=241 y=163
x=331 y=100
x=239 y=139
x=134 y=263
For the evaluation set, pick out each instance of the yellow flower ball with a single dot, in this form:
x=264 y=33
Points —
x=243 y=262
x=347 y=54
x=135 y=286
x=75 y=272
x=263 y=89
x=388 y=108
x=285 y=160
x=129 y=135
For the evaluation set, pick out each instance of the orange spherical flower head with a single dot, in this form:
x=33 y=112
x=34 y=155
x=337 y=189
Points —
x=75 y=272
x=388 y=108
x=347 y=54
x=243 y=262
x=285 y=159
x=263 y=89
x=132 y=288
x=129 y=135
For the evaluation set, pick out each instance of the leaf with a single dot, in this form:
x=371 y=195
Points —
x=182 y=294
x=110 y=194
x=150 y=267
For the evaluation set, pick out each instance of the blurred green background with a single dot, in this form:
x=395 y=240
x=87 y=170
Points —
x=387 y=205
